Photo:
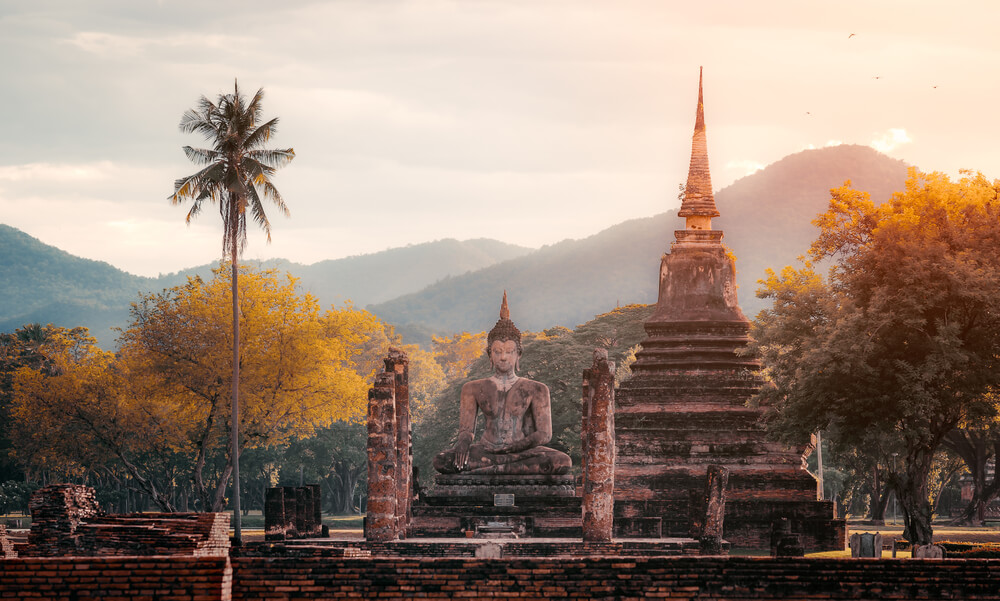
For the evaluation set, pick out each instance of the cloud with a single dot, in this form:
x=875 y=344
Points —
x=890 y=140
x=48 y=172
x=110 y=45
x=747 y=166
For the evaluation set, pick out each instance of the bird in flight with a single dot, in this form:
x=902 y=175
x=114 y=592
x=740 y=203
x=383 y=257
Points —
x=850 y=36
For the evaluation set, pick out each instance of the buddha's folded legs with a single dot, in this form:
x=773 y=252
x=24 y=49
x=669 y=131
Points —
x=537 y=460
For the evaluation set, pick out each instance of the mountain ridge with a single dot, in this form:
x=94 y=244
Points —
x=765 y=216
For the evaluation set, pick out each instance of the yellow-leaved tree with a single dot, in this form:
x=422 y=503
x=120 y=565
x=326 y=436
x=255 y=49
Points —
x=300 y=368
x=159 y=409
x=83 y=414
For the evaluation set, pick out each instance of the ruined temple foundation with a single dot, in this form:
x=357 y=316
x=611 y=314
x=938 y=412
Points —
x=686 y=405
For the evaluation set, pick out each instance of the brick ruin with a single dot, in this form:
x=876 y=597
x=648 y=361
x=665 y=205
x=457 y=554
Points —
x=293 y=512
x=390 y=452
x=6 y=544
x=598 y=445
x=67 y=521
x=685 y=406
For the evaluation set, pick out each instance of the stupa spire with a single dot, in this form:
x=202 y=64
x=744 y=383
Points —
x=698 y=206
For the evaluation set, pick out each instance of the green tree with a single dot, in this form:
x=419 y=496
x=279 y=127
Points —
x=903 y=339
x=236 y=176
x=977 y=443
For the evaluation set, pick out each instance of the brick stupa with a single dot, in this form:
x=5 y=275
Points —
x=685 y=406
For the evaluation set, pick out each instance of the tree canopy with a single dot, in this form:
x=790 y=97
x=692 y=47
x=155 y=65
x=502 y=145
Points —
x=159 y=407
x=901 y=341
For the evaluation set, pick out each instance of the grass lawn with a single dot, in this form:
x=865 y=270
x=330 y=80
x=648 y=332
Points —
x=983 y=534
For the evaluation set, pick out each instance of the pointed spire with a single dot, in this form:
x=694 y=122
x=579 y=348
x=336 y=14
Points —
x=504 y=311
x=699 y=202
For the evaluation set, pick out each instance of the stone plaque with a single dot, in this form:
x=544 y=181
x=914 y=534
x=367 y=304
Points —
x=503 y=500
x=868 y=545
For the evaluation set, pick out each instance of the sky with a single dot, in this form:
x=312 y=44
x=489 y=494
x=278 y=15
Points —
x=527 y=121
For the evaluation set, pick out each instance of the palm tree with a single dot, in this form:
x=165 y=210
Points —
x=236 y=175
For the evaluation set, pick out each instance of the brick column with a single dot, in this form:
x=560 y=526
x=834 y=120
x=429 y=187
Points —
x=276 y=526
x=380 y=522
x=397 y=363
x=317 y=510
x=715 y=510
x=599 y=449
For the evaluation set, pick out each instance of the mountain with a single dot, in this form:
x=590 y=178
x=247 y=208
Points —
x=44 y=284
x=399 y=271
x=766 y=218
x=451 y=286
x=47 y=285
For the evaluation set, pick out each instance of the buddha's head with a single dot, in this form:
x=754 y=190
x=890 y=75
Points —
x=503 y=343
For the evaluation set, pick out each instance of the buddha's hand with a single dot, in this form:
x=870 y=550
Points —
x=462 y=453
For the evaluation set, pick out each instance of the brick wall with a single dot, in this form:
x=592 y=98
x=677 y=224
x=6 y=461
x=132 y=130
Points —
x=731 y=579
x=137 y=578
x=302 y=578
x=511 y=548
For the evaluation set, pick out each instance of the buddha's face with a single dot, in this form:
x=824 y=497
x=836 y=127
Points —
x=503 y=355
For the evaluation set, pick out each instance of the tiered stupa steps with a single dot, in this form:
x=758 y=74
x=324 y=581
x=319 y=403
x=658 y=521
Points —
x=687 y=404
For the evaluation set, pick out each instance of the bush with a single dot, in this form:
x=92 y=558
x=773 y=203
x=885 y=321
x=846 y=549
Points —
x=964 y=550
x=14 y=496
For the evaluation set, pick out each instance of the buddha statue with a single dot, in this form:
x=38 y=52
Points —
x=517 y=412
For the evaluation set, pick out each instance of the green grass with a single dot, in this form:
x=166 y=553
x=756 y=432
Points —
x=255 y=521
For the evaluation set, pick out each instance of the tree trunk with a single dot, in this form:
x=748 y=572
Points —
x=975 y=450
x=879 y=499
x=344 y=484
x=205 y=498
x=911 y=489
x=237 y=531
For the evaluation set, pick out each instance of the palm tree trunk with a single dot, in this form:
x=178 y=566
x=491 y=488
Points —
x=237 y=532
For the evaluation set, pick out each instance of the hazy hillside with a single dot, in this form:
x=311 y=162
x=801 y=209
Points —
x=44 y=284
x=766 y=217
x=559 y=284
x=381 y=276
x=450 y=286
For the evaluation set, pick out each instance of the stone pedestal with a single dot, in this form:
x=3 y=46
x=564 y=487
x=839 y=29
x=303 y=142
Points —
x=499 y=506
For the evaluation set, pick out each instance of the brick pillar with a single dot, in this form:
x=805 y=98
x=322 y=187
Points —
x=715 y=510
x=292 y=511
x=275 y=522
x=585 y=409
x=380 y=522
x=317 y=510
x=397 y=363
x=599 y=449
x=303 y=510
